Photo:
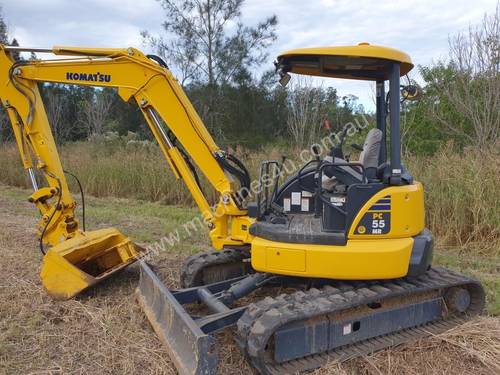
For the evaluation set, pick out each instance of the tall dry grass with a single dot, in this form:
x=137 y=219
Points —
x=462 y=196
x=116 y=169
x=462 y=190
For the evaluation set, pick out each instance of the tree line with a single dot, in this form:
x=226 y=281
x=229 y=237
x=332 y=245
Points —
x=215 y=55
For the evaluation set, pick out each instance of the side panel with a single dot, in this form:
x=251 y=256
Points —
x=286 y=259
x=359 y=259
x=394 y=212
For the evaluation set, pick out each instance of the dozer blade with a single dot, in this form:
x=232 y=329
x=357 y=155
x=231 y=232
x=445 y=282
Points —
x=191 y=350
x=83 y=261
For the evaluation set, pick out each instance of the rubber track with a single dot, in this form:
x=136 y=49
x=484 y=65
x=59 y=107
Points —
x=193 y=267
x=257 y=326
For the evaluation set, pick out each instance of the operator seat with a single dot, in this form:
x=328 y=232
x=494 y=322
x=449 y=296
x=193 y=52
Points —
x=369 y=157
x=346 y=175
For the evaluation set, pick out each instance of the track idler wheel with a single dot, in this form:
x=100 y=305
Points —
x=457 y=299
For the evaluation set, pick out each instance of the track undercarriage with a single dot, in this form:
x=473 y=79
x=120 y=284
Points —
x=316 y=321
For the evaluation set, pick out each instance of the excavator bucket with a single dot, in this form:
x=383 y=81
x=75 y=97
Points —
x=81 y=262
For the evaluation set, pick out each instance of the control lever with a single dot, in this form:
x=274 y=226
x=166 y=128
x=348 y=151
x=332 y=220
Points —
x=357 y=147
x=316 y=152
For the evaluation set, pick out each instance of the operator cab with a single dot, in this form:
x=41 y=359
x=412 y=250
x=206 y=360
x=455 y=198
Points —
x=319 y=203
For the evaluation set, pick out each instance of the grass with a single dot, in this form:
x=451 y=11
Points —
x=484 y=268
x=102 y=330
x=462 y=197
x=472 y=348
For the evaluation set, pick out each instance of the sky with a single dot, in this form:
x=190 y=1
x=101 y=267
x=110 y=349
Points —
x=421 y=28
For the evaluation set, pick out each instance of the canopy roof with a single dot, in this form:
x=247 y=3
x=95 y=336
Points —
x=361 y=62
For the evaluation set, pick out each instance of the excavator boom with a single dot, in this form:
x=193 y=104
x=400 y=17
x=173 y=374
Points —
x=78 y=259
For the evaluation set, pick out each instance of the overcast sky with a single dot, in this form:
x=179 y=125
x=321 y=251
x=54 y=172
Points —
x=420 y=27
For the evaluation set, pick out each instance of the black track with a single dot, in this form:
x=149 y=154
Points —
x=262 y=319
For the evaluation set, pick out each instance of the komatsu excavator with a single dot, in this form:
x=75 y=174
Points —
x=345 y=241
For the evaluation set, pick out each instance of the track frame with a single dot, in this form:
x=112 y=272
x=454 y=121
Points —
x=304 y=329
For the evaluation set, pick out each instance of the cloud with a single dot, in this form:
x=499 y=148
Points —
x=420 y=28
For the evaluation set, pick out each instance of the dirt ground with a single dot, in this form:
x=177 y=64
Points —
x=103 y=331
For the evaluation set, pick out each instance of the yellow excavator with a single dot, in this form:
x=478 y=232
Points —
x=344 y=241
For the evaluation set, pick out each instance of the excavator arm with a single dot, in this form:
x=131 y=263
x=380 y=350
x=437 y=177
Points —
x=147 y=81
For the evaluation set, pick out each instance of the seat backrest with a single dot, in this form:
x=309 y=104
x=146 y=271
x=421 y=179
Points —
x=371 y=150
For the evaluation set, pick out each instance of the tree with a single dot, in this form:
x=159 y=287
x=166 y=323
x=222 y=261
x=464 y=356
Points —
x=304 y=111
x=15 y=54
x=127 y=117
x=94 y=111
x=207 y=43
x=201 y=45
x=466 y=90
x=3 y=28
x=56 y=106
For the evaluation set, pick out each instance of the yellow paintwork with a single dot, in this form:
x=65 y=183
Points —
x=283 y=258
x=358 y=260
x=84 y=260
x=361 y=57
x=407 y=212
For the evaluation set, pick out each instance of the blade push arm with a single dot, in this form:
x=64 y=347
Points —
x=166 y=109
